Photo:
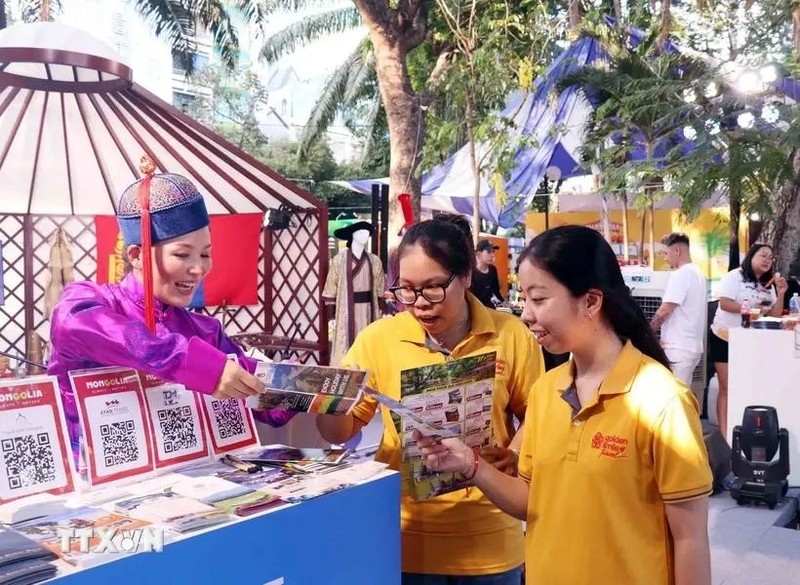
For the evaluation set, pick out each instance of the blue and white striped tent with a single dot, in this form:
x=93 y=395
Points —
x=554 y=121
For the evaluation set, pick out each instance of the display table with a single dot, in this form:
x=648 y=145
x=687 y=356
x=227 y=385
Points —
x=764 y=371
x=345 y=537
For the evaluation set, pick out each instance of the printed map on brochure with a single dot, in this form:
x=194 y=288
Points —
x=306 y=388
x=455 y=396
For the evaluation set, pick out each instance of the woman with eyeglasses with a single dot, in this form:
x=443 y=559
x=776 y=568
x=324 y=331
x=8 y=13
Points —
x=458 y=538
x=755 y=282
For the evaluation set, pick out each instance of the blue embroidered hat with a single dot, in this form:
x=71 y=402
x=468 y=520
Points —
x=154 y=209
x=176 y=208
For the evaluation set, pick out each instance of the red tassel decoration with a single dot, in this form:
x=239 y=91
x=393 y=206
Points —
x=147 y=167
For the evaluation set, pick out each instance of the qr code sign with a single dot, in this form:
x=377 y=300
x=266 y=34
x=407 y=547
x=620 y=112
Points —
x=177 y=428
x=29 y=460
x=228 y=416
x=118 y=440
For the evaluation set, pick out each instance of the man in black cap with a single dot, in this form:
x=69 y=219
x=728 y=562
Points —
x=485 y=283
x=354 y=286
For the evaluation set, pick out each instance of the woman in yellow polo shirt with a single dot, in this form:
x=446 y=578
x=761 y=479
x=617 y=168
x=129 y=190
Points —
x=458 y=538
x=613 y=473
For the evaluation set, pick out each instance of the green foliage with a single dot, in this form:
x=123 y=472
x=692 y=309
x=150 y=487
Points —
x=176 y=22
x=313 y=172
x=309 y=29
x=642 y=111
x=497 y=48
x=231 y=106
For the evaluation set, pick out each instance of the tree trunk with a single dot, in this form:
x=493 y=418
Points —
x=666 y=22
x=3 y=17
x=782 y=229
x=574 y=7
x=651 y=259
x=476 y=172
x=641 y=236
x=796 y=29
x=618 y=11
x=626 y=254
x=406 y=123
x=735 y=207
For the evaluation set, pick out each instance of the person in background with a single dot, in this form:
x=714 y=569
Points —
x=613 y=474
x=755 y=282
x=682 y=314
x=5 y=367
x=458 y=538
x=485 y=282
x=142 y=322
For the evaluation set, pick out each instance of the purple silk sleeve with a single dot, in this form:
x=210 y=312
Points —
x=96 y=326
x=86 y=327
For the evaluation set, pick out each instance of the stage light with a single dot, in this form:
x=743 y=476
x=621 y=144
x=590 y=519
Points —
x=749 y=82
x=712 y=127
x=770 y=113
x=769 y=74
x=746 y=120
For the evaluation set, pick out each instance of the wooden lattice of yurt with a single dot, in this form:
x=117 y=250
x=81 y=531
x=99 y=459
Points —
x=73 y=128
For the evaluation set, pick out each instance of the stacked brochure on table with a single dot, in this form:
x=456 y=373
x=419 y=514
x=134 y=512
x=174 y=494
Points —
x=48 y=532
x=174 y=512
x=22 y=560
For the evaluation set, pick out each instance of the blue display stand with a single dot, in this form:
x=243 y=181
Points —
x=349 y=536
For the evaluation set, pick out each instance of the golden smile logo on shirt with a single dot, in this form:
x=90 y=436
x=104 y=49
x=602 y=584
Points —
x=611 y=446
x=500 y=366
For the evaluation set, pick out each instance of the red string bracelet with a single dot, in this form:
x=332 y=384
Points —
x=475 y=461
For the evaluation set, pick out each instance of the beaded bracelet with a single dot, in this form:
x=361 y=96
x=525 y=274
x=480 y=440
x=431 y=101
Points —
x=475 y=461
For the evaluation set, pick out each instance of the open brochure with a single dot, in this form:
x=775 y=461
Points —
x=307 y=388
x=453 y=399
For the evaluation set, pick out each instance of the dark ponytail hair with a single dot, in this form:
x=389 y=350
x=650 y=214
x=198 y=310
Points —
x=579 y=258
x=447 y=239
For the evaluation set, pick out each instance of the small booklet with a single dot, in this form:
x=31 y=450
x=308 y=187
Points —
x=48 y=533
x=249 y=503
x=16 y=547
x=30 y=507
x=176 y=513
x=27 y=572
x=284 y=454
x=307 y=388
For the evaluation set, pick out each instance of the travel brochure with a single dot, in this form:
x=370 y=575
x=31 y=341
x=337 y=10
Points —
x=453 y=399
x=307 y=388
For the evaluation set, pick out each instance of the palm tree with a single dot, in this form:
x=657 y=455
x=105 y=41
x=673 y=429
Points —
x=395 y=29
x=175 y=21
x=633 y=132
x=352 y=83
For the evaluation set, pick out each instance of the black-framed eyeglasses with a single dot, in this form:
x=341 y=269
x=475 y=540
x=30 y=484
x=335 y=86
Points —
x=433 y=293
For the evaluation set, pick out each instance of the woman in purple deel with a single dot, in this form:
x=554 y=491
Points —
x=142 y=322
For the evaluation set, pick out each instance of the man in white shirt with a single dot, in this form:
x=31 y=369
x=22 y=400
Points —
x=682 y=314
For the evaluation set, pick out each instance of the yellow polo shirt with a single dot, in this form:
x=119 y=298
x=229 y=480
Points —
x=600 y=480
x=459 y=533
